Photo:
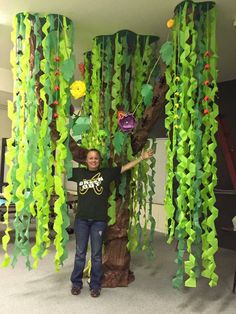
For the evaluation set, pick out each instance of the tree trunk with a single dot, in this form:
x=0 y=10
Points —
x=116 y=257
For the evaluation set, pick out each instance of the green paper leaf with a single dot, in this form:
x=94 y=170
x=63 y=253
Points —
x=112 y=205
x=52 y=39
x=118 y=141
x=147 y=93
x=67 y=69
x=82 y=125
x=102 y=133
x=166 y=52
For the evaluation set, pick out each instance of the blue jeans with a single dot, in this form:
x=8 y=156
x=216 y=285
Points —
x=85 y=228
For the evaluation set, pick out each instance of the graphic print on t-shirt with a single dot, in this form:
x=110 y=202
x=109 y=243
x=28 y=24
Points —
x=93 y=183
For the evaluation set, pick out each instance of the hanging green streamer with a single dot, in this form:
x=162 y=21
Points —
x=138 y=78
x=40 y=81
x=42 y=232
x=151 y=193
x=87 y=100
x=191 y=126
x=209 y=239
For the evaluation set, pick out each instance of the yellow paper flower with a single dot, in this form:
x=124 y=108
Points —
x=78 y=89
x=170 y=23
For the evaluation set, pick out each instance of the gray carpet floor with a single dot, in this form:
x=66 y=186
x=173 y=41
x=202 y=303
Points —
x=45 y=291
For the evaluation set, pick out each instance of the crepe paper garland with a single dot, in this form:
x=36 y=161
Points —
x=42 y=65
x=115 y=71
x=191 y=125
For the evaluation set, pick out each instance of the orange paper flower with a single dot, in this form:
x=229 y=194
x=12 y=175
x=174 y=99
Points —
x=170 y=23
x=120 y=114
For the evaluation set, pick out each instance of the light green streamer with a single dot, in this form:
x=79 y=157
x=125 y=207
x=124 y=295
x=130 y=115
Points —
x=42 y=241
x=22 y=217
x=10 y=155
x=209 y=239
x=62 y=219
x=138 y=79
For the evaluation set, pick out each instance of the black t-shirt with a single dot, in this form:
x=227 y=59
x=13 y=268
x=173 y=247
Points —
x=93 y=191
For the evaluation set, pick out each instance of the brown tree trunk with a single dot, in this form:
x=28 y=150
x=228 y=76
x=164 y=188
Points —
x=116 y=257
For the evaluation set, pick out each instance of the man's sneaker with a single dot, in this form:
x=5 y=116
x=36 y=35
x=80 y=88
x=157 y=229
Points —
x=95 y=293
x=75 y=290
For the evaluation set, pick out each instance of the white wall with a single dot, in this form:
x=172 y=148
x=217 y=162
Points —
x=6 y=80
x=70 y=185
x=5 y=122
x=6 y=87
x=160 y=180
x=5 y=128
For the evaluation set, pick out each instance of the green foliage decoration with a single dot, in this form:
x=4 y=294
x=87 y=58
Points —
x=43 y=66
x=191 y=125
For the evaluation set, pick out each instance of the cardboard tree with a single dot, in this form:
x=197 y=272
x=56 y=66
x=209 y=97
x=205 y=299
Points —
x=120 y=75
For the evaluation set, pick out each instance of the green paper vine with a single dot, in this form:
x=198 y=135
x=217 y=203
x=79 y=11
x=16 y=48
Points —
x=191 y=126
x=31 y=151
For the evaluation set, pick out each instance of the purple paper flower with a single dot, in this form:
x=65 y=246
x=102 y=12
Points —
x=127 y=123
